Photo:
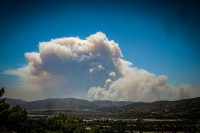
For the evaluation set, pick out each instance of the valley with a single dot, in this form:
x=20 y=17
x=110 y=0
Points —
x=121 y=116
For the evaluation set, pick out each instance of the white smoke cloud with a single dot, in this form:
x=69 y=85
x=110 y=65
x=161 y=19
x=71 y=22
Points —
x=112 y=74
x=92 y=68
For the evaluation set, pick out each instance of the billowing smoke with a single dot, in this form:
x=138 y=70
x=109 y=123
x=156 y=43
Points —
x=92 y=68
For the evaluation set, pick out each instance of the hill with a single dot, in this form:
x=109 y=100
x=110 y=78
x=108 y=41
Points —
x=107 y=103
x=66 y=104
x=60 y=104
x=14 y=102
x=118 y=106
x=186 y=108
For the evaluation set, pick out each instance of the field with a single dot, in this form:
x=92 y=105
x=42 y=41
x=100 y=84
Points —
x=114 y=122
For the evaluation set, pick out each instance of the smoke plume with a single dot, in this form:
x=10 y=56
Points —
x=92 y=68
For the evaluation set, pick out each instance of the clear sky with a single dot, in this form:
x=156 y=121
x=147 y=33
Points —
x=160 y=36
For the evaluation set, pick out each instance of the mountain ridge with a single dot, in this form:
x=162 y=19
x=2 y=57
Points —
x=184 y=108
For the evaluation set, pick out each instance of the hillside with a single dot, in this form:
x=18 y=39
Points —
x=66 y=104
x=120 y=107
x=107 y=103
x=187 y=108
x=60 y=104
x=14 y=102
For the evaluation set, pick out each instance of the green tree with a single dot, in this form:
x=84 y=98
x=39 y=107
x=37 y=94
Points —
x=4 y=110
x=13 y=119
x=16 y=119
x=94 y=129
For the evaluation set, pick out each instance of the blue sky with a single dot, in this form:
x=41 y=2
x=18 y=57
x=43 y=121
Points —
x=161 y=37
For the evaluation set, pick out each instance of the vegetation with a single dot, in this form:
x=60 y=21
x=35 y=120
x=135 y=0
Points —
x=61 y=123
x=16 y=119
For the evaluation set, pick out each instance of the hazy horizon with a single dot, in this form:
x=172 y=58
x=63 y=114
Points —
x=94 y=100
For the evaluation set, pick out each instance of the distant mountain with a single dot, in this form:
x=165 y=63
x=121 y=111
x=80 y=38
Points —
x=71 y=104
x=60 y=104
x=116 y=106
x=186 y=108
x=107 y=103
x=14 y=102
x=132 y=106
x=167 y=106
